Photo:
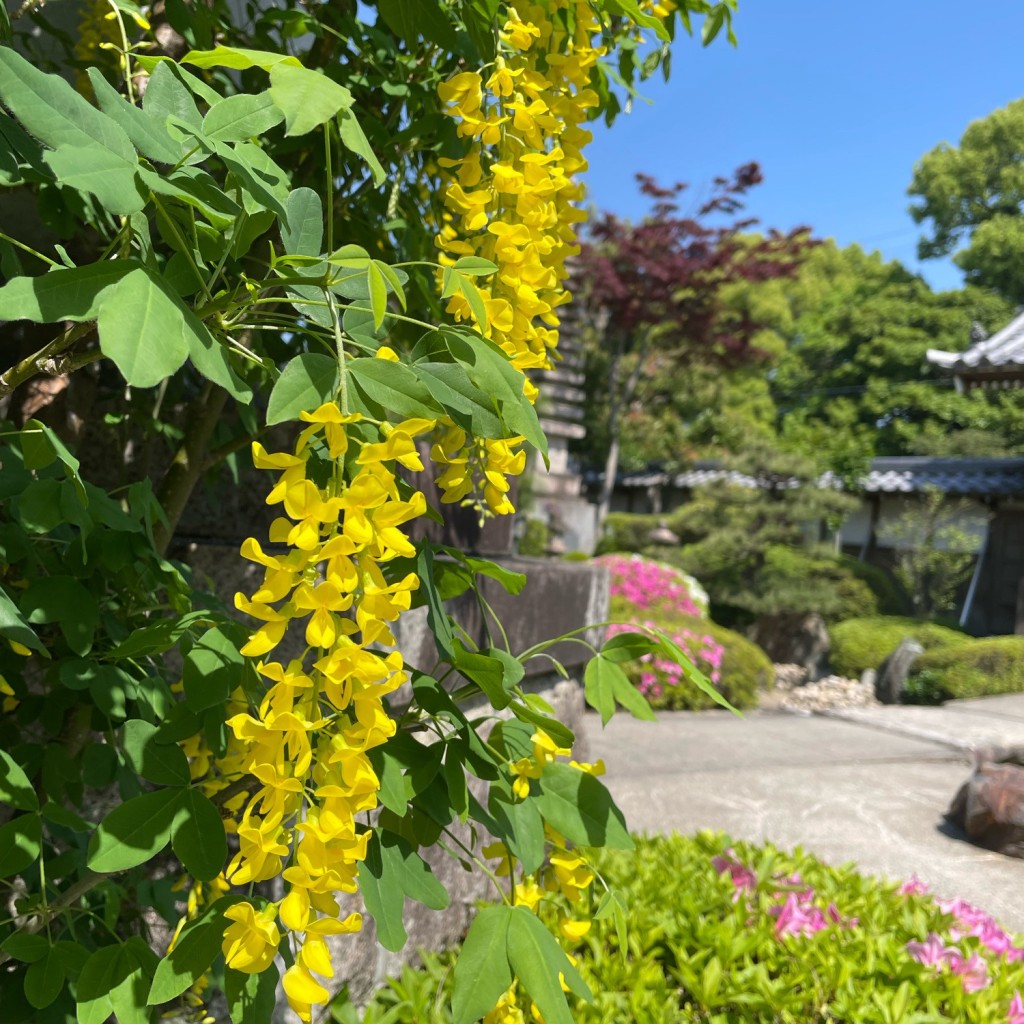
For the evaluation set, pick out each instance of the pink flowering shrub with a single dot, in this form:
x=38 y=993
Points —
x=649 y=594
x=737 y=933
x=654 y=587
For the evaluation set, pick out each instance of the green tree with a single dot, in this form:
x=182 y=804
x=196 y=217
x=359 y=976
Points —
x=972 y=194
x=854 y=382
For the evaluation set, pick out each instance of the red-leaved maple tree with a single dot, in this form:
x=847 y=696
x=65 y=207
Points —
x=655 y=288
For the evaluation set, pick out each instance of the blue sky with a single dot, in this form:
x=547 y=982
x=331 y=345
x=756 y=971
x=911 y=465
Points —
x=835 y=100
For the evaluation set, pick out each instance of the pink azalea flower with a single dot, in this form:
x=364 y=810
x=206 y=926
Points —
x=973 y=972
x=742 y=877
x=796 y=918
x=931 y=952
x=1015 y=1014
x=913 y=887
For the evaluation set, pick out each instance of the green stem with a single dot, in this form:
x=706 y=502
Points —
x=29 y=249
x=339 y=343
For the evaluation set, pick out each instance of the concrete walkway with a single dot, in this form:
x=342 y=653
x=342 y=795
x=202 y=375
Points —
x=868 y=785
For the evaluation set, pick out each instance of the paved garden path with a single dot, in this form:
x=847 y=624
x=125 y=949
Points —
x=865 y=785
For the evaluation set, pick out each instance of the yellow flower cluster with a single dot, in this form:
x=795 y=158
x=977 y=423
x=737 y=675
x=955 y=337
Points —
x=512 y=197
x=306 y=743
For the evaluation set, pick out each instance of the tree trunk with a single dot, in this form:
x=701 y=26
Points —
x=616 y=403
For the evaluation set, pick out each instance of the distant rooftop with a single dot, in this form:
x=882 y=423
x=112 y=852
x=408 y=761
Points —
x=995 y=362
x=887 y=475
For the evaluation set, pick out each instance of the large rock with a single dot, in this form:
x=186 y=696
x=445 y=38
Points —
x=990 y=805
x=794 y=640
x=894 y=671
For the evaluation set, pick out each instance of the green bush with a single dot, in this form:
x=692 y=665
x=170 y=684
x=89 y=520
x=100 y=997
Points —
x=534 y=541
x=889 y=596
x=971 y=668
x=721 y=933
x=626 y=531
x=862 y=643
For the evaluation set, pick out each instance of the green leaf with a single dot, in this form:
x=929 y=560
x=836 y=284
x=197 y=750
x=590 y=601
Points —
x=512 y=582
x=631 y=9
x=613 y=904
x=54 y=113
x=27 y=947
x=393 y=386
x=579 y=807
x=159 y=637
x=561 y=734
x=306 y=98
x=162 y=763
x=264 y=185
x=598 y=687
x=240 y=117
x=15 y=788
x=66 y=818
x=522 y=828
x=482 y=971
x=378 y=293
x=20 y=843
x=713 y=24
x=40 y=446
x=489 y=368
x=475 y=266
x=392 y=871
x=604 y=683
x=213 y=668
x=670 y=649
x=238 y=58
x=411 y=19
x=105 y=969
x=307 y=382
x=251 y=997
x=475 y=300
x=62 y=599
x=352 y=136
x=394 y=793
x=303 y=230
x=628 y=646
x=168 y=95
x=197 y=947
x=382 y=894
x=101 y=173
x=141 y=328
x=44 y=980
x=62 y=294
x=472 y=409
x=134 y=832
x=488 y=672
x=128 y=996
x=145 y=131
x=14 y=627
x=537 y=960
x=198 y=838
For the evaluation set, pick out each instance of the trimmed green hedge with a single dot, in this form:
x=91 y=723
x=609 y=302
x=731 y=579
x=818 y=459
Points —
x=970 y=668
x=717 y=932
x=859 y=644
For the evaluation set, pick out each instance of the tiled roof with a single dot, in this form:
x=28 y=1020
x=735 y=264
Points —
x=951 y=476
x=887 y=475
x=1002 y=353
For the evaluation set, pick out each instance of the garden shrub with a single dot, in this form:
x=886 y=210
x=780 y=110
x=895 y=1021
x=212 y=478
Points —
x=865 y=642
x=971 y=668
x=654 y=587
x=732 y=933
x=626 y=531
x=889 y=597
x=534 y=541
